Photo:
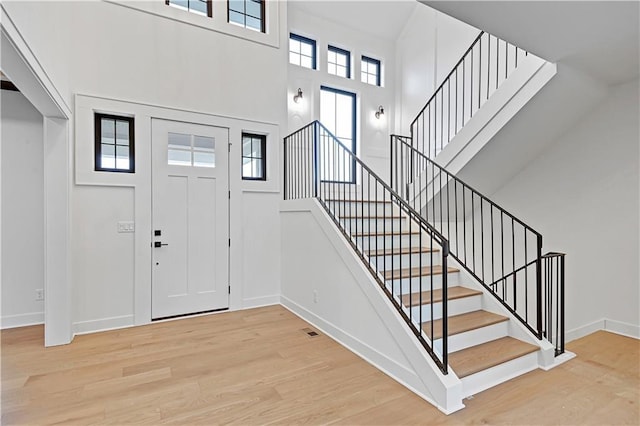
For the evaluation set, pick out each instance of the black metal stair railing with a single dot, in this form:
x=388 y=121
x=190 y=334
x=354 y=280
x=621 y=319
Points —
x=501 y=251
x=380 y=226
x=484 y=66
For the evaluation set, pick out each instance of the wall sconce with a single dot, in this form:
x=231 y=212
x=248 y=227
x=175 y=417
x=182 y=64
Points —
x=298 y=96
x=379 y=112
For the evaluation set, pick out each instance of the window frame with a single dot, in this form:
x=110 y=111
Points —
x=314 y=50
x=263 y=8
x=98 y=116
x=208 y=2
x=263 y=158
x=354 y=129
x=378 y=63
x=339 y=51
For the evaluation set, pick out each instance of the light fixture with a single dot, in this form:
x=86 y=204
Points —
x=379 y=112
x=297 y=97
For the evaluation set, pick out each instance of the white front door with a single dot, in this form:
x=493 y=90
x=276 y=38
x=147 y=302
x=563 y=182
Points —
x=190 y=236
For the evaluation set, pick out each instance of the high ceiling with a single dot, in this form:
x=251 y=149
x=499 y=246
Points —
x=383 y=18
x=600 y=38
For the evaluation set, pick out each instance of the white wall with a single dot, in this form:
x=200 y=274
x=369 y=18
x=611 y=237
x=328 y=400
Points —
x=427 y=49
x=372 y=134
x=582 y=195
x=134 y=60
x=22 y=211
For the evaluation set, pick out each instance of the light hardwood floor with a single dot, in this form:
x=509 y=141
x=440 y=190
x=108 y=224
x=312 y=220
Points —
x=259 y=366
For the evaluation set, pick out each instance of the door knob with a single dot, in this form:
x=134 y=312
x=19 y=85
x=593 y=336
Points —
x=159 y=244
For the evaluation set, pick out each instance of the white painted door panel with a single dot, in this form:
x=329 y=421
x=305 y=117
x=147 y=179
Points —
x=191 y=213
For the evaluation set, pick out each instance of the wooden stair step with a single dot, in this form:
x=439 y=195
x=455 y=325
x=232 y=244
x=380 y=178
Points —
x=373 y=217
x=386 y=234
x=466 y=362
x=415 y=272
x=463 y=322
x=333 y=200
x=403 y=250
x=456 y=292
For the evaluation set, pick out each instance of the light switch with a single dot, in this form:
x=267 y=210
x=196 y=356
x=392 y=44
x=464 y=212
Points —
x=126 y=227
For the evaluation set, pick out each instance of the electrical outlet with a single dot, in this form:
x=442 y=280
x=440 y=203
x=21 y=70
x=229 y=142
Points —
x=125 y=227
x=40 y=294
x=315 y=296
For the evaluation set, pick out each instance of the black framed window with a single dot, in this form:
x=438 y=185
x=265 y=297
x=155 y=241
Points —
x=247 y=13
x=114 y=143
x=339 y=62
x=254 y=157
x=302 y=51
x=201 y=7
x=370 y=72
x=338 y=115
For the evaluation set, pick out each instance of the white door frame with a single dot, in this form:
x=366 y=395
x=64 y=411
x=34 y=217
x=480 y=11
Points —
x=22 y=67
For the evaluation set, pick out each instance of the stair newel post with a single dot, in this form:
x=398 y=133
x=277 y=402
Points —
x=539 y=286
x=316 y=159
x=445 y=309
x=284 y=176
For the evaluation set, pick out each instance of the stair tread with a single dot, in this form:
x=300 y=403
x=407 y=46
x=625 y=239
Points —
x=463 y=322
x=414 y=272
x=456 y=292
x=373 y=217
x=332 y=200
x=466 y=362
x=403 y=250
x=385 y=234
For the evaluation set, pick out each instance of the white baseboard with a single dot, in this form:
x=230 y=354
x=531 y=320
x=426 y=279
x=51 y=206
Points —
x=104 y=324
x=622 y=328
x=618 y=327
x=258 y=302
x=22 y=320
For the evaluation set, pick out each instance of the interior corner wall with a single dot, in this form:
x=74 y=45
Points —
x=22 y=203
x=426 y=51
x=582 y=194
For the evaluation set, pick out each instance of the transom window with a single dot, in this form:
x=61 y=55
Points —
x=254 y=157
x=339 y=62
x=114 y=143
x=247 y=13
x=370 y=72
x=302 y=51
x=191 y=150
x=201 y=7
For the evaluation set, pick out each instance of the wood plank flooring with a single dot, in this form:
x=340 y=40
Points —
x=259 y=367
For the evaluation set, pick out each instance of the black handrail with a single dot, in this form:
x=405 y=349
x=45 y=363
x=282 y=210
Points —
x=317 y=165
x=494 y=246
x=470 y=83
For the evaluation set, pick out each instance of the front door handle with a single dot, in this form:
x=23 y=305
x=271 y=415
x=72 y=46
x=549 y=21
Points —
x=159 y=244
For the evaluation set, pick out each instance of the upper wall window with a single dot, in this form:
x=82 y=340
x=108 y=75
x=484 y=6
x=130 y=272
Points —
x=114 y=143
x=370 y=71
x=247 y=13
x=339 y=62
x=254 y=157
x=201 y=7
x=302 y=51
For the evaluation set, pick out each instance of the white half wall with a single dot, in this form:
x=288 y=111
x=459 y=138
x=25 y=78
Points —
x=326 y=284
x=22 y=203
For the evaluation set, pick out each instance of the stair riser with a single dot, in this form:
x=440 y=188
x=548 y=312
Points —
x=357 y=226
x=388 y=242
x=387 y=263
x=455 y=307
x=342 y=208
x=475 y=337
x=404 y=283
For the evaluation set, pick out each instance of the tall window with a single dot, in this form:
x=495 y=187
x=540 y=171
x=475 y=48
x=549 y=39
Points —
x=247 y=13
x=338 y=114
x=254 y=157
x=339 y=62
x=302 y=51
x=201 y=7
x=114 y=143
x=370 y=72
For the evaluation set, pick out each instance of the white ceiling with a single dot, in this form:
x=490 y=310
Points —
x=600 y=38
x=382 y=18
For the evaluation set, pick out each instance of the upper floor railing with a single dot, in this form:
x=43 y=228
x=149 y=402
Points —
x=484 y=66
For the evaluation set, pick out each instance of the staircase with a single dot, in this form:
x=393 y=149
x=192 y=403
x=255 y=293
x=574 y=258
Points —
x=467 y=277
